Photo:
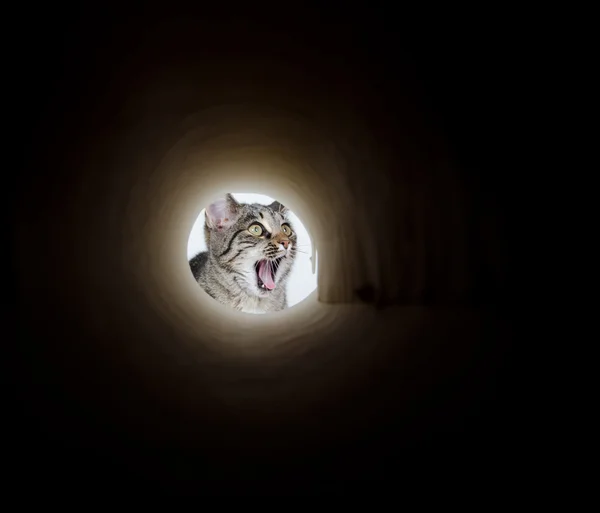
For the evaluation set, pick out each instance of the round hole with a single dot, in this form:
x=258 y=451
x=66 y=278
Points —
x=250 y=252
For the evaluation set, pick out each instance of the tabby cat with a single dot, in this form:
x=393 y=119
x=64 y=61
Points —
x=251 y=251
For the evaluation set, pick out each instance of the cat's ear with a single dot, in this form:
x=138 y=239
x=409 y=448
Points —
x=278 y=207
x=222 y=213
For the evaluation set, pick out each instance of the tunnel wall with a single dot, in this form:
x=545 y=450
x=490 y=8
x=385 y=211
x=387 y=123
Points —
x=407 y=335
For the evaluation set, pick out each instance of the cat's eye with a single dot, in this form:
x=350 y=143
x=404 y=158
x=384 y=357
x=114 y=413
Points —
x=256 y=230
x=247 y=242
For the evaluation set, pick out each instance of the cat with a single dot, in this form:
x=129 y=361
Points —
x=251 y=252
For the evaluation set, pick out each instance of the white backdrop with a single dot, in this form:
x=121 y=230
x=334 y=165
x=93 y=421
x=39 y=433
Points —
x=302 y=281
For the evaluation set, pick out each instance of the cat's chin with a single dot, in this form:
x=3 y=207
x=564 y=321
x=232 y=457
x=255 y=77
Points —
x=264 y=293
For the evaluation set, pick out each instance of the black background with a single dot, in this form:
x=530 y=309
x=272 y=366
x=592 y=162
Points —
x=467 y=81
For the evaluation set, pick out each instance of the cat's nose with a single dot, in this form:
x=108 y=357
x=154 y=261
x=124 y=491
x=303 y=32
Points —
x=284 y=244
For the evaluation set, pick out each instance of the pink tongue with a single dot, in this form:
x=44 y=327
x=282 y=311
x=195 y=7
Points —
x=265 y=274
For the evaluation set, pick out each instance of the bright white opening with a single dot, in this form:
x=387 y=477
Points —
x=303 y=278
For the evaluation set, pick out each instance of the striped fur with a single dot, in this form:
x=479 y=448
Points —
x=229 y=270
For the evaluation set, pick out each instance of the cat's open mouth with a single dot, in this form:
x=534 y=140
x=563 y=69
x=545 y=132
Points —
x=265 y=273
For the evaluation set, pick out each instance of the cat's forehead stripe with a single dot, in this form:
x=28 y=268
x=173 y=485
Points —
x=269 y=218
x=267 y=226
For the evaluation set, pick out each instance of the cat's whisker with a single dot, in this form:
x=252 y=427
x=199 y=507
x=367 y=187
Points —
x=237 y=285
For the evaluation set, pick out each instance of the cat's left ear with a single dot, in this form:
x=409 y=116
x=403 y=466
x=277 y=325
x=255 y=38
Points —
x=222 y=213
x=278 y=207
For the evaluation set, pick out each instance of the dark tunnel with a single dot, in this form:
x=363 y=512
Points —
x=388 y=141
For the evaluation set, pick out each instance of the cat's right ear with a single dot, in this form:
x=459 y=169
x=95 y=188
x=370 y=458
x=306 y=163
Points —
x=222 y=213
x=278 y=207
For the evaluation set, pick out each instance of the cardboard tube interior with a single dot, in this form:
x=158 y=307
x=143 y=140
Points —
x=403 y=326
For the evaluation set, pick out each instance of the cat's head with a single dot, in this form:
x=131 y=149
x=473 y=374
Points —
x=255 y=243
